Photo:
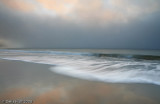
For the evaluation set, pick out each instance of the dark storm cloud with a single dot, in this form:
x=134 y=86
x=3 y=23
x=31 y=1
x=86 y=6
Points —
x=32 y=30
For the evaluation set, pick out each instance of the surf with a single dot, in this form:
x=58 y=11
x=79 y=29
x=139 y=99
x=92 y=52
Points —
x=110 y=68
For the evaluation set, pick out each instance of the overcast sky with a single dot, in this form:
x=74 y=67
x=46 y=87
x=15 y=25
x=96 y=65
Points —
x=124 y=24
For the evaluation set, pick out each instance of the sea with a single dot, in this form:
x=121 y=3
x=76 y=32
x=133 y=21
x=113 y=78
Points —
x=104 y=65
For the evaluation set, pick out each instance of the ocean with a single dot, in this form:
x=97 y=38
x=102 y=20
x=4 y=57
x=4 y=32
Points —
x=104 y=65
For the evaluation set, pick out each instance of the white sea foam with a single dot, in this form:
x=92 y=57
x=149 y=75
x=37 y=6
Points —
x=114 y=70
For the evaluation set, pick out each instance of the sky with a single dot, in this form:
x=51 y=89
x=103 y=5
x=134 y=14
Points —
x=101 y=24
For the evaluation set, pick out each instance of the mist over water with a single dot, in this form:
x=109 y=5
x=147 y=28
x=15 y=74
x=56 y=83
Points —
x=113 y=68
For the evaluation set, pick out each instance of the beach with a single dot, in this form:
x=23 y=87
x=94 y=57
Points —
x=79 y=51
x=30 y=81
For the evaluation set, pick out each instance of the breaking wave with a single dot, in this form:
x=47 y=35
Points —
x=113 y=68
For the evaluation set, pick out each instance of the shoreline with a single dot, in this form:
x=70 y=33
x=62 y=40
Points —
x=36 y=81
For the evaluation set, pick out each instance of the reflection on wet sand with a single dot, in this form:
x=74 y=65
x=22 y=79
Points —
x=52 y=88
x=88 y=93
x=16 y=93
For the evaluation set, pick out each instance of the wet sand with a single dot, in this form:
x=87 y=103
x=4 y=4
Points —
x=29 y=81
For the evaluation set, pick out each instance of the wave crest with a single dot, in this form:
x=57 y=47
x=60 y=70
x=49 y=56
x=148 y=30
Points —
x=106 y=69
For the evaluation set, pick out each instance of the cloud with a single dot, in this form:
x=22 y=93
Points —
x=20 y=5
x=114 y=10
x=82 y=24
x=58 y=7
x=88 y=11
x=100 y=11
x=5 y=43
